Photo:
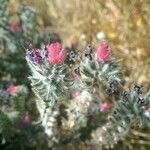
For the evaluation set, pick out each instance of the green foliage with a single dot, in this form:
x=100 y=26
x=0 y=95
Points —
x=131 y=110
x=15 y=132
x=14 y=102
x=17 y=31
x=6 y=126
x=20 y=99
x=65 y=122
x=12 y=106
x=106 y=76
x=94 y=73
x=12 y=42
x=29 y=21
x=50 y=83
x=3 y=13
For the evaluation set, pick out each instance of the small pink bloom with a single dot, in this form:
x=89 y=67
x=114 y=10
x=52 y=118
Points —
x=56 y=55
x=105 y=107
x=103 y=52
x=74 y=94
x=12 y=89
x=27 y=119
x=15 y=26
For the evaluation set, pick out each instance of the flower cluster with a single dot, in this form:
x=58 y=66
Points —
x=12 y=89
x=99 y=70
x=49 y=72
x=103 y=52
x=53 y=52
x=97 y=76
x=56 y=55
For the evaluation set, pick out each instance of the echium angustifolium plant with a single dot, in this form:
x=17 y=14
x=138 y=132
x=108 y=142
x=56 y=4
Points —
x=84 y=111
x=12 y=107
x=132 y=109
x=96 y=71
x=17 y=128
x=99 y=71
x=50 y=80
x=3 y=12
x=13 y=32
x=16 y=31
x=49 y=72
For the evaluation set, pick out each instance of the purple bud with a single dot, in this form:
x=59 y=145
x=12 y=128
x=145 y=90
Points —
x=35 y=56
x=38 y=60
x=88 y=52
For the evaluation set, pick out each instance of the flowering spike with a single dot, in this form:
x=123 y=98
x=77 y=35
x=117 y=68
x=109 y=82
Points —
x=95 y=74
x=105 y=107
x=56 y=55
x=47 y=75
x=127 y=113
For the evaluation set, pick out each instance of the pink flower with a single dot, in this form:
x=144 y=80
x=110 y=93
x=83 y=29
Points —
x=74 y=94
x=105 y=107
x=27 y=119
x=103 y=52
x=15 y=26
x=12 y=89
x=56 y=55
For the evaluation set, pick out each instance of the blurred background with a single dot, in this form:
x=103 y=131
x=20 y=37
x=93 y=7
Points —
x=126 y=25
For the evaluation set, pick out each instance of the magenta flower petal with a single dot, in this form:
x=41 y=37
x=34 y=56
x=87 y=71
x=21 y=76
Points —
x=27 y=119
x=54 y=49
x=103 y=52
x=56 y=55
x=105 y=107
x=12 y=89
